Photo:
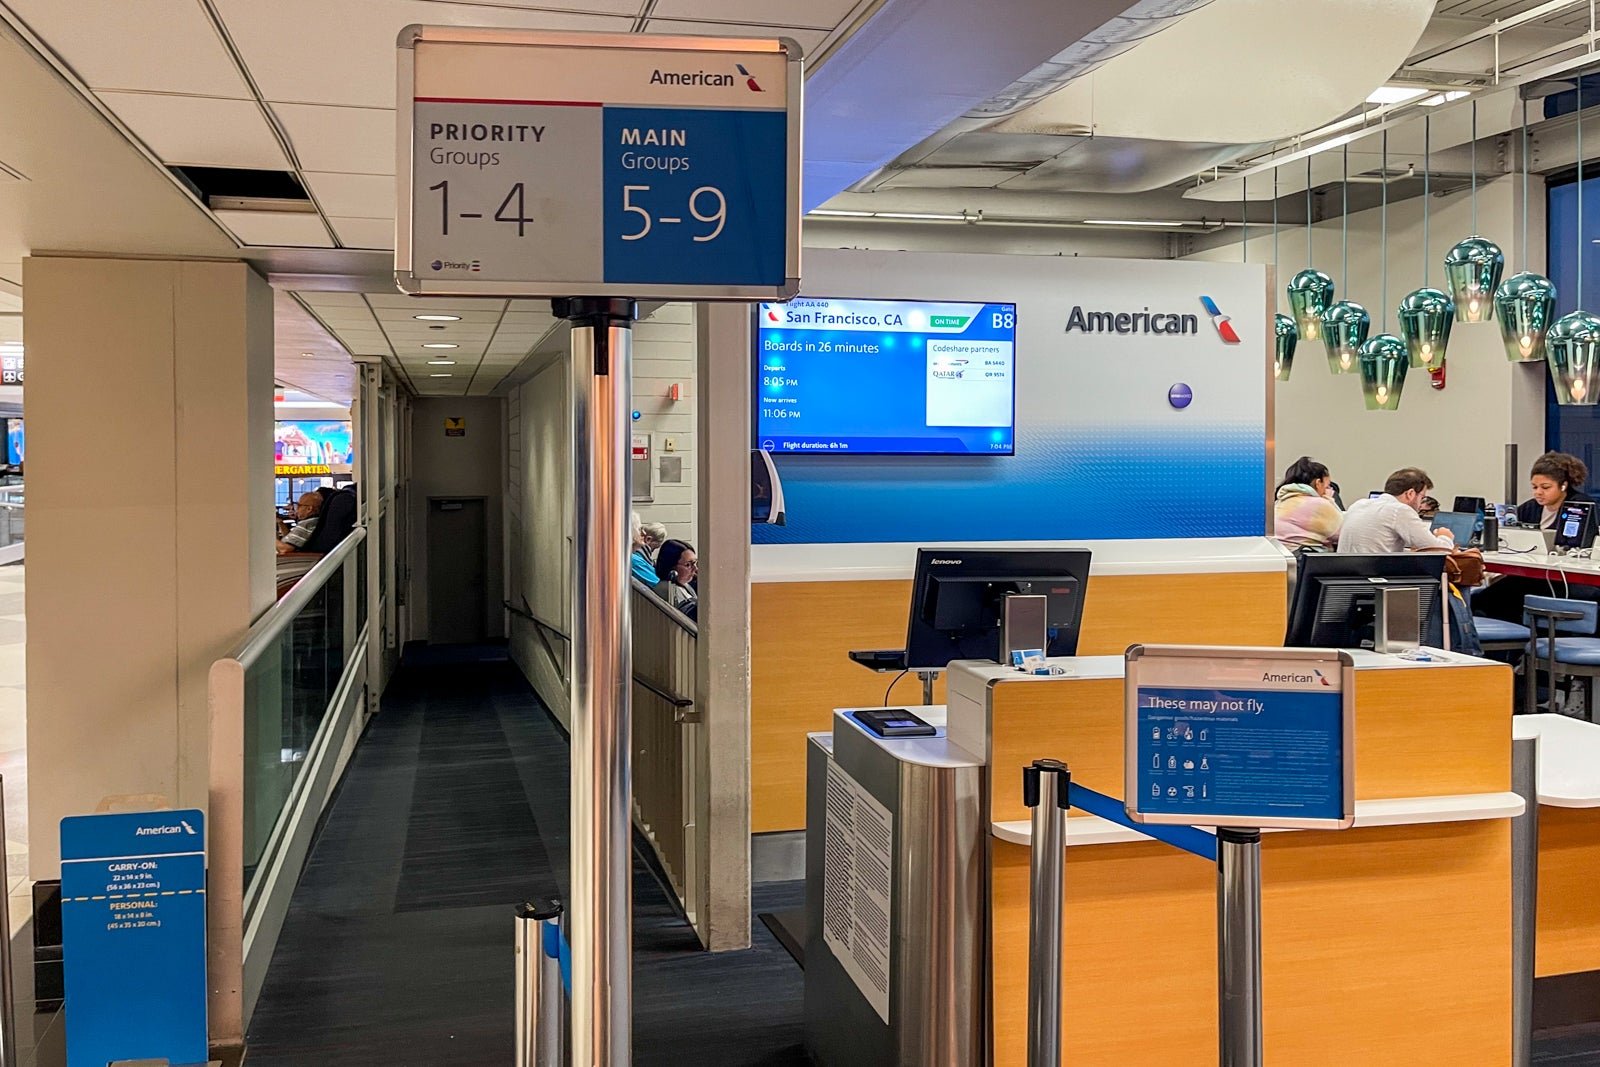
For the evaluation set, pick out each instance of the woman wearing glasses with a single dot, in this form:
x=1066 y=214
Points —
x=676 y=566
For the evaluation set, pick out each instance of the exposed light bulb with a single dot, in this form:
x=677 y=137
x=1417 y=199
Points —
x=1472 y=306
x=1578 y=389
x=1344 y=359
x=1383 y=393
x=1427 y=350
x=1311 y=333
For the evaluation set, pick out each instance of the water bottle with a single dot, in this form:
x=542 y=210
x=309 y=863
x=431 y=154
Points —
x=1491 y=530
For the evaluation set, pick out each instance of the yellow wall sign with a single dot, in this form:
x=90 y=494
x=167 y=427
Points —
x=455 y=427
x=299 y=469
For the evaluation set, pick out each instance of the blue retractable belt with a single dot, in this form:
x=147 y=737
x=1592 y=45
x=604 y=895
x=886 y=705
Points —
x=555 y=947
x=1111 y=809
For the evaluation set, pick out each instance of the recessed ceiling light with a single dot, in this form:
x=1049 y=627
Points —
x=1394 y=94
x=440 y=344
x=446 y=374
x=438 y=318
x=441 y=363
x=308 y=355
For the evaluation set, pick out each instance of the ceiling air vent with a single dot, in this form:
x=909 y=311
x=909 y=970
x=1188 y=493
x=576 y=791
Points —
x=239 y=189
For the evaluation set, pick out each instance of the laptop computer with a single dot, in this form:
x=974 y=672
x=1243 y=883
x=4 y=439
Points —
x=1526 y=540
x=1462 y=524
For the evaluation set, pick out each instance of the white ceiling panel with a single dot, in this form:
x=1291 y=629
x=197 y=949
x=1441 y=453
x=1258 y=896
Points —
x=364 y=233
x=355 y=140
x=343 y=51
x=200 y=130
x=277 y=229
x=353 y=196
x=137 y=44
x=809 y=39
x=818 y=14
x=331 y=300
x=422 y=305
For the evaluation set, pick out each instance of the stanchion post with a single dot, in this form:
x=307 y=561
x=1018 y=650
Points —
x=1524 y=896
x=1044 y=789
x=1239 y=947
x=8 y=998
x=602 y=667
x=540 y=1026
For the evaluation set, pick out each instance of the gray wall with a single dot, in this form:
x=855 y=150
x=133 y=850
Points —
x=470 y=466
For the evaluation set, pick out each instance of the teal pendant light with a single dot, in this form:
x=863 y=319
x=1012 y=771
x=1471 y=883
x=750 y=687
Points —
x=1346 y=323
x=1525 y=302
x=1425 y=315
x=1310 y=291
x=1384 y=363
x=1473 y=267
x=1384 y=360
x=1572 y=347
x=1286 y=335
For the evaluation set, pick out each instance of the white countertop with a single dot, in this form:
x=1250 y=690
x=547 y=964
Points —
x=1402 y=811
x=936 y=751
x=859 y=562
x=1569 y=758
x=1544 y=561
x=1091 y=667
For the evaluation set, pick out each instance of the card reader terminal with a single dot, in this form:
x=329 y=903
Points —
x=894 y=722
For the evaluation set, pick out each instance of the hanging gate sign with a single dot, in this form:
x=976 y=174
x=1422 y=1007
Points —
x=608 y=165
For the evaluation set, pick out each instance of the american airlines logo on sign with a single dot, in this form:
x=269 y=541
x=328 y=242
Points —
x=1151 y=322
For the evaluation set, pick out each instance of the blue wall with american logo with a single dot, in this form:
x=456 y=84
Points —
x=1103 y=452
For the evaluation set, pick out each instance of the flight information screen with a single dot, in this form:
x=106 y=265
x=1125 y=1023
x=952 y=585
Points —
x=885 y=377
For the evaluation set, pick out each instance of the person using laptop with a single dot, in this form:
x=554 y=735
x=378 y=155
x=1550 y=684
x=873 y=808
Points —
x=1556 y=478
x=1303 y=510
x=1392 y=522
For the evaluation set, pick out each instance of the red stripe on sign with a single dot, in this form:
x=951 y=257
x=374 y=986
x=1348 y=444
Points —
x=532 y=103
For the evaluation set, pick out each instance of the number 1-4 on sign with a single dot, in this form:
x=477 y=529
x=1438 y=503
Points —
x=517 y=193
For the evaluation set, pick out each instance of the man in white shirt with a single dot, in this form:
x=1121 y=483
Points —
x=1390 y=523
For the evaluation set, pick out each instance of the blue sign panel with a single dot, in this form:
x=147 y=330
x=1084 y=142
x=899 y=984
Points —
x=1256 y=742
x=133 y=924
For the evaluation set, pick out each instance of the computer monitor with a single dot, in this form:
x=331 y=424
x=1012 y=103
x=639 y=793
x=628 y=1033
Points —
x=1470 y=504
x=957 y=593
x=1575 y=525
x=1463 y=524
x=1335 y=597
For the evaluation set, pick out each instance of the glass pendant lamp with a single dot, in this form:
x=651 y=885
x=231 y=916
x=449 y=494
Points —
x=1346 y=323
x=1525 y=302
x=1310 y=291
x=1384 y=360
x=1425 y=315
x=1473 y=267
x=1286 y=335
x=1572 y=348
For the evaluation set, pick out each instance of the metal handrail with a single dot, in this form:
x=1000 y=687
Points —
x=277 y=618
x=524 y=613
x=671 y=698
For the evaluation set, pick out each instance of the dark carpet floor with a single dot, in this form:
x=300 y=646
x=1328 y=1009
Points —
x=397 y=949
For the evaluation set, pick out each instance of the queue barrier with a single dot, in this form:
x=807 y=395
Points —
x=544 y=985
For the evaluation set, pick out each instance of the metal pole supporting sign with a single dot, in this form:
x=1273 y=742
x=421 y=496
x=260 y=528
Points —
x=1241 y=739
x=597 y=169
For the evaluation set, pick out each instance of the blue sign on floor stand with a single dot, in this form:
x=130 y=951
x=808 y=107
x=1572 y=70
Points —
x=1258 y=738
x=133 y=928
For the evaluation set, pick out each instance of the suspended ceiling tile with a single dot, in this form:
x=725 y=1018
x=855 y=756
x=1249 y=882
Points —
x=353 y=196
x=818 y=14
x=363 y=233
x=343 y=51
x=133 y=44
x=422 y=304
x=328 y=300
x=355 y=140
x=277 y=229
x=809 y=39
x=200 y=130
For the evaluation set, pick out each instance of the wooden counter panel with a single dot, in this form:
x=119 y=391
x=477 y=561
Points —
x=1569 y=907
x=1183 y=609
x=1382 y=946
x=1419 y=732
x=800 y=633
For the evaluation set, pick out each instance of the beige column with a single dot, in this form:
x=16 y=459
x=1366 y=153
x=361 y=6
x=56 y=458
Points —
x=149 y=518
x=722 y=679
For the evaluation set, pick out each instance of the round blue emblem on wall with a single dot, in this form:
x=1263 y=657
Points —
x=1179 y=396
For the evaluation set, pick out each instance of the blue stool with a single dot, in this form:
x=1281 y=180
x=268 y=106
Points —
x=1497 y=635
x=1563 y=657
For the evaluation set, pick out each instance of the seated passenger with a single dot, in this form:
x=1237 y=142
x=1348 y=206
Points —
x=1304 y=514
x=307 y=510
x=1392 y=522
x=648 y=538
x=1556 y=478
x=675 y=567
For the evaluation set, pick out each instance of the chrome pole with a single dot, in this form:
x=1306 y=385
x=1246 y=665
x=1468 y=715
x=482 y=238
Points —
x=1044 y=789
x=1239 y=947
x=928 y=678
x=602 y=784
x=1513 y=476
x=539 y=994
x=8 y=996
x=1524 y=896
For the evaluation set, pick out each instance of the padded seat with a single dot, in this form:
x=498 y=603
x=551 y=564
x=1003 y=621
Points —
x=1573 y=651
x=1493 y=631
